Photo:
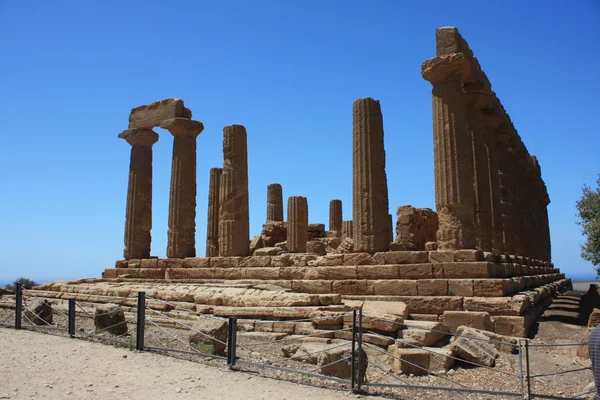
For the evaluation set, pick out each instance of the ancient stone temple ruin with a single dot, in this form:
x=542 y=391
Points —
x=483 y=259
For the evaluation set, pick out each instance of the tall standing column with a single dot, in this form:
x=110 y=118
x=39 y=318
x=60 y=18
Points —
x=234 y=219
x=335 y=216
x=297 y=226
x=453 y=153
x=212 y=228
x=182 y=202
x=495 y=197
x=274 y=202
x=369 y=184
x=138 y=215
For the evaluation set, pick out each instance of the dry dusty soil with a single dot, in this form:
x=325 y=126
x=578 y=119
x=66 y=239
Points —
x=39 y=366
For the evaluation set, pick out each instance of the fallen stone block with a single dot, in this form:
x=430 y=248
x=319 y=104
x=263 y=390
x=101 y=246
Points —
x=440 y=359
x=39 y=312
x=209 y=335
x=475 y=348
x=110 y=319
x=410 y=361
x=504 y=344
x=422 y=333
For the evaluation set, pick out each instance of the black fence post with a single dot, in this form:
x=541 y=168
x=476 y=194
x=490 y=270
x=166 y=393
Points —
x=18 y=305
x=231 y=342
x=353 y=356
x=71 y=317
x=527 y=369
x=141 y=321
x=360 y=355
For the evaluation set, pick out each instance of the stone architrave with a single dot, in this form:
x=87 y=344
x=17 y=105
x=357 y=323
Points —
x=182 y=202
x=335 y=216
x=274 y=202
x=297 y=225
x=138 y=216
x=152 y=115
x=453 y=152
x=212 y=228
x=234 y=219
x=370 y=209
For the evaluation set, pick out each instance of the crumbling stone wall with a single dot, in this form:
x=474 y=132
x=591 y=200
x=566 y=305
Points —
x=415 y=227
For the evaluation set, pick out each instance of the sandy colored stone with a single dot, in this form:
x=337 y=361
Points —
x=255 y=261
x=358 y=259
x=297 y=226
x=515 y=305
x=415 y=271
x=468 y=255
x=149 y=263
x=470 y=270
x=212 y=229
x=274 y=202
x=377 y=272
x=369 y=187
x=335 y=215
x=460 y=287
x=432 y=287
x=410 y=361
x=225 y=262
x=504 y=344
x=475 y=348
x=441 y=256
x=395 y=287
x=478 y=320
x=490 y=287
x=422 y=333
x=234 y=222
x=415 y=227
x=352 y=287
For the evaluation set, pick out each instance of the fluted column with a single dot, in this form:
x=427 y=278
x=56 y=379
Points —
x=335 y=216
x=274 y=202
x=182 y=201
x=212 y=228
x=453 y=153
x=297 y=225
x=369 y=184
x=347 y=229
x=138 y=215
x=234 y=219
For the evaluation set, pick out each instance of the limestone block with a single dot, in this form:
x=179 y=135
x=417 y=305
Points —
x=140 y=273
x=425 y=317
x=478 y=320
x=396 y=308
x=460 y=287
x=40 y=312
x=149 y=263
x=283 y=260
x=504 y=344
x=440 y=359
x=256 y=261
x=328 y=260
x=170 y=263
x=395 y=287
x=312 y=286
x=273 y=232
x=513 y=325
x=415 y=271
x=316 y=231
x=338 y=363
x=339 y=273
x=225 y=262
x=377 y=340
x=377 y=272
x=441 y=256
x=515 y=305
x=405 y=257
x=268 y=251
x=432 y=304
x=209 y=335
x=151 y=115
x=353 y=287
x=475 y=348
x=432 y=287
x=358 y=259
x=415 y=227
x=196 y=263
x=262 y=273
x=490 y=287
x=134 y=263
x=422 y=333
x=110 y=319
x=469 y=270
x=410 y=361
x=122 y=263
x=347 y=246
x=109 y=273
x=316 y=247
x=256 y=243
x=468 y=255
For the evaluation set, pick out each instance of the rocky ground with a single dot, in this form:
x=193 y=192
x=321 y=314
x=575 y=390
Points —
x=105 y=371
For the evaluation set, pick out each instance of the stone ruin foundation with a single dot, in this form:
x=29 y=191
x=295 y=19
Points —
x=482 y=260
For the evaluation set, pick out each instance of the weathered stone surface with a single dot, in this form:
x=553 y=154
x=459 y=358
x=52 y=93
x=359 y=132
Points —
x=475 y=348
x=440 y=359
x=138 y=216
x=394 y=287
x=479 y=320
x=369 y=188
x=470 y=270
x=441 y=256
x=335 y=215
x=256 y=243
x=38 y=312
x=338 y=362
x=415 y=227
x=517 y=326
x=490 y=287
x=422 y=333
x=347 y=229
x=515 y=305
x=151 y=115
x=468 y=255
x=297 y=226
x=328 y=260
x=316 y=231
x=415 y=271
x=274 y=202
x=209 y=335
x=273 y=232
x=110 y=319
x=460 y=287
x=358 y=259
x=234 y=220
x=505 y=344
x=404 y=257
x=410 y=361
x=316 y=247
x=432 y=287
x=212 y=229
x=377 y=272
x=268 y=251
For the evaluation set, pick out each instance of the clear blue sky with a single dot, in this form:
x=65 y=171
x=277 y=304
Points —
x=287 y=70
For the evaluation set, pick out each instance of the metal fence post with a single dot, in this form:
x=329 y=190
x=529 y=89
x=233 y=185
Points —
x=231 y=342
x=141 y=321
x=71 y=317
x=528 y=375
x=521 y=378
x=353 y=356
x=18 y=305
x=360 y=355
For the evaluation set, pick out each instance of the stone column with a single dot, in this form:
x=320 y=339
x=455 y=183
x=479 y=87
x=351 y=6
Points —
x=234 y=219
x=274 y=202
x=212 y=229
x=297 y=225
x=335 y=216
x=347 y=229
x=453 y=153
x=138 y=215
x=507 y=206
x=370 y=208
x=182 y=203
x=495 y=199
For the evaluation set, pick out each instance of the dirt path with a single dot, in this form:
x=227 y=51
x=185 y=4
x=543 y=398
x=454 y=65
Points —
x=38 y=366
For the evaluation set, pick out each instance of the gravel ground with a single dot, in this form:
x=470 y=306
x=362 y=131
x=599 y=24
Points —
x=39 y=366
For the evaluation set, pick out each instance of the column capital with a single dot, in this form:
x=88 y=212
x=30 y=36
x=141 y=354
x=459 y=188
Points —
x=457 y=66
x=139 y=136
x=180 y=126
